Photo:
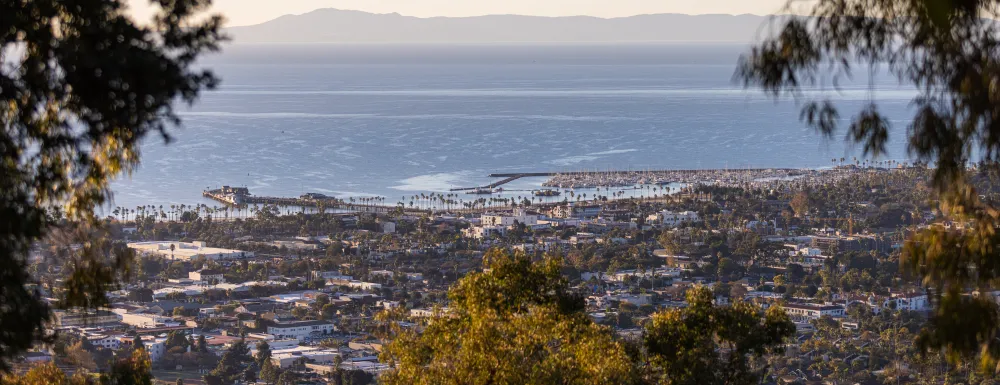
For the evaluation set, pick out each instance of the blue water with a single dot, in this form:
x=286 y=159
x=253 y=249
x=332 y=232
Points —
x=394 y=121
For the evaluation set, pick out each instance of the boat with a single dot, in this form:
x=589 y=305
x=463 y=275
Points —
x=547 y=193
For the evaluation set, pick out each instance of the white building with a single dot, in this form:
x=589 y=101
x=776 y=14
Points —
x=805 y=311
x=301 y=330
x=382 y=273
x=673 y=219
x=520 y=216
x=364 y=285
x=484 y=232
x=156 y=347
x=424 y=313
x=909 y=301
x=112 y=342
x=207 y=275
x=146 y=321
x=187 y=250
x=286 y=357
x=327 y=275
x=296 y=244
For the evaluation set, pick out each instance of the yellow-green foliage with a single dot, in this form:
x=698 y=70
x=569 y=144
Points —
x=706 y=344
x=515 y=324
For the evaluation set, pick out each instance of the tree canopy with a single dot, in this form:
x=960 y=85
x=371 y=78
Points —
x=81 y=84
x=706 y=344
x=949 y=52
x=515 y=323
x=134 y=369
x=518 y=322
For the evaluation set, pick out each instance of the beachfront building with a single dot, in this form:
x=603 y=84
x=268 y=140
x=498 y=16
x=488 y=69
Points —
x=187 y=250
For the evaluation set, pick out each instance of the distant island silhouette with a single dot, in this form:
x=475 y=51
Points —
x=341 y=26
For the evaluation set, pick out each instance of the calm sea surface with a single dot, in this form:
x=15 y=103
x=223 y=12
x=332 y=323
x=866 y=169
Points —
x=394 y=121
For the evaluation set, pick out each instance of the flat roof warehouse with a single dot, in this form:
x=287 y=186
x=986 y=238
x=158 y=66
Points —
x=188 y=250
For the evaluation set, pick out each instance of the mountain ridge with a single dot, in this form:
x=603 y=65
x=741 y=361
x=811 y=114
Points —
x=331 y=25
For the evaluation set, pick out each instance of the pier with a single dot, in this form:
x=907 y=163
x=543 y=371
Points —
x=507 y=179
x=241 y=196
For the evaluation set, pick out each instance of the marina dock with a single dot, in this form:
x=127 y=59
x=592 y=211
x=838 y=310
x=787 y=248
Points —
x=625 y=178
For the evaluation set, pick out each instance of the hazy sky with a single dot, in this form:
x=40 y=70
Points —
x=246 y=12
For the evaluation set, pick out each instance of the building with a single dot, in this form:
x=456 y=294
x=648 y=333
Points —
x=364 y=285
x=484 y=232
x=808 y=311
x=147 y=321
x=572 y=210
x=89 y=318
x=908 y=301
x=520 y=216
x=156 y=347
x=187 y=250
x=207 y=275
x=583 y=238
x=284 y=358
x=112 y=342
x=673 y=219
x=301 y=330
x=425 y=313
x=296 y=244
x=328 y=275
x=36 y=357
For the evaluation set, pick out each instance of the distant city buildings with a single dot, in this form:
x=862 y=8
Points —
x=187 y=250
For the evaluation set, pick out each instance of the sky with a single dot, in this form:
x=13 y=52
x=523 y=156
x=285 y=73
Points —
x=249 y=12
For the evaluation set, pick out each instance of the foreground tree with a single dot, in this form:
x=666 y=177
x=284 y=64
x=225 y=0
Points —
x=515 y=324
x=269 y=373
x=705 y=345
x=263 y=353
x=233 y=364
x=82 y=84
x=949 y=51
x=132 y=370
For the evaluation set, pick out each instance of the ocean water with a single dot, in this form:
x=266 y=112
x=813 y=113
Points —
x=400 y=120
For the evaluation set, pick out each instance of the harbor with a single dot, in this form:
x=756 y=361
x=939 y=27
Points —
x=623 y=179
x=559 y=187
